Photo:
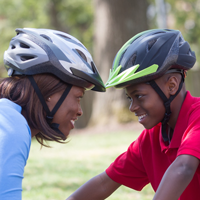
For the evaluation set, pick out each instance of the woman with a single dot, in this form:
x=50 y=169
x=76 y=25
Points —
x=49 y=73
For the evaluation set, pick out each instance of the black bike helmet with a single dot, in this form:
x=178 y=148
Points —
x=148 y=56
x=38 y=51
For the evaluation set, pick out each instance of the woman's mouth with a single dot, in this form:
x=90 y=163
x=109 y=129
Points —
x=72 y=123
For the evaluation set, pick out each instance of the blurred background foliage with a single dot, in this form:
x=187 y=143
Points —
x=77 y=17
x=74 y=17
x=183 y=15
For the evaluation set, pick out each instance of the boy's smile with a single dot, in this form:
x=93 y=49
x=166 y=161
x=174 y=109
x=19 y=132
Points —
x=141 y=117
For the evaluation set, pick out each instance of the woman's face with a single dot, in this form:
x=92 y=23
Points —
x=146 y=104
x=70 y=109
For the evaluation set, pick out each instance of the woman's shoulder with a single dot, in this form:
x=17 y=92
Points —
x=12 y=121
x=10 y=111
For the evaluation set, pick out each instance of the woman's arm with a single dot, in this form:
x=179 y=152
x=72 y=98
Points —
x=177 y=177
x=98 y=188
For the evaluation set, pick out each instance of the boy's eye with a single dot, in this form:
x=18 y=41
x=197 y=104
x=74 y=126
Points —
x=139 y=96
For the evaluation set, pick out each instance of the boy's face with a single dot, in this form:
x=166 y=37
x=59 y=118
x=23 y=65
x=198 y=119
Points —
x=146 y=104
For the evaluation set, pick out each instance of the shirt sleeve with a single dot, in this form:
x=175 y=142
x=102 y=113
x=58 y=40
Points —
x=15 y=143
x=128 y=168
x=190 y=143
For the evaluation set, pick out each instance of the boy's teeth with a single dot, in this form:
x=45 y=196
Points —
x=141 y=116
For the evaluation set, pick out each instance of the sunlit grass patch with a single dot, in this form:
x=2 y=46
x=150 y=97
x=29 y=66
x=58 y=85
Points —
x=54 y=173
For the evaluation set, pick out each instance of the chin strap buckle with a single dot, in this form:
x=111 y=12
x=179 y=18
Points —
x=49 y=119
x=166 y=118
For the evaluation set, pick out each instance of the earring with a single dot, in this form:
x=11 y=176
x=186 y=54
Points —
x=48 y=99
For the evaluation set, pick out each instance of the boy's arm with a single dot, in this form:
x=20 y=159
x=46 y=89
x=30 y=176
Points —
x=98 y=188
x=177 y=177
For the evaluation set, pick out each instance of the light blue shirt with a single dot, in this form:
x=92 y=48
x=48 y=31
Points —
x=15 y=141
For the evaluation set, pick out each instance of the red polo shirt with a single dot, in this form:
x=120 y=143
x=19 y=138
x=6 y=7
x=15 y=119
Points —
x=147 y=158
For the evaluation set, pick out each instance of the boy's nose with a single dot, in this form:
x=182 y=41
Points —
x=133 y=107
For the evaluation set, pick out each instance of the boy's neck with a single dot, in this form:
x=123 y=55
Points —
x=176 y=105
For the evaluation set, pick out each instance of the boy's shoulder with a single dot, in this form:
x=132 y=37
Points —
x=194 y=110
x=190 y=104
x=189 y=114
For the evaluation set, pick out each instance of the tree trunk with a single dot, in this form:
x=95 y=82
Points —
x=53 y=11
x=192 y=82
x=116 y=21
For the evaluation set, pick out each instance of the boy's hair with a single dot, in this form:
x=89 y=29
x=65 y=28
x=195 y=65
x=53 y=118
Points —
x=19 y=90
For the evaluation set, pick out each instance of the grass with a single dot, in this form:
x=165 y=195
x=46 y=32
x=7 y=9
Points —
x=54 y=173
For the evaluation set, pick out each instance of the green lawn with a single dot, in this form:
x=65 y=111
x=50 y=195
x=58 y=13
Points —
x=54 y=173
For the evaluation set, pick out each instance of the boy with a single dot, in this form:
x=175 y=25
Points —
x=151 y=67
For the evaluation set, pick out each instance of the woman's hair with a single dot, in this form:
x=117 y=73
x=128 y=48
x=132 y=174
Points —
x=19 y=90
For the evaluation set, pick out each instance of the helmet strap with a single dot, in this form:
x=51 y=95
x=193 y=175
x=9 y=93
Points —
x=50 y=114
x=167 y=103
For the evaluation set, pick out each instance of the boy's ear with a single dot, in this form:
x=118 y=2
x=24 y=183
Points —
x=173 y=84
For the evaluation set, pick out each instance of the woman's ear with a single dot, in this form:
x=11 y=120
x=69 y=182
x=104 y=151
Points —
x=48 y=99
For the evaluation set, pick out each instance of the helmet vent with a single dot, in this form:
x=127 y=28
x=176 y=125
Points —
x=13 y=47
x=24 y=45
x=63 y=36
x=181 y=41
x=131 y=61
x=93 y=67
x=46 y=37
x=189 y=52
x=25 y=58
x=82 y=55
x=151 y=43
x=133 y=58
x=158 y=33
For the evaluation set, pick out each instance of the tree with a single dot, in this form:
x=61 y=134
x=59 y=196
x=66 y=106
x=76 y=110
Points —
x=184 y=16
x=115 y=22
x=74 y=17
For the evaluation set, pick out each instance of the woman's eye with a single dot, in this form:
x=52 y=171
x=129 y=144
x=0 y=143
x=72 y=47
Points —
x=79 y=98
x=129 y=98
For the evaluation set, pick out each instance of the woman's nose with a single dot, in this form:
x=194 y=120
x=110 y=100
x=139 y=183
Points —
x=80 y=111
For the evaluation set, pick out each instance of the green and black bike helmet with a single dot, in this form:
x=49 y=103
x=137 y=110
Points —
x=148 y=56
